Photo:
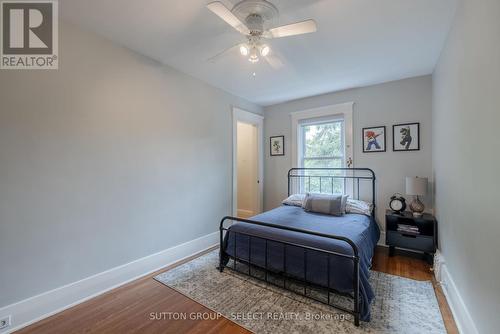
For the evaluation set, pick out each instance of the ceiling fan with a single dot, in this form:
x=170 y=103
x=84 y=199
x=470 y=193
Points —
x=256 y=19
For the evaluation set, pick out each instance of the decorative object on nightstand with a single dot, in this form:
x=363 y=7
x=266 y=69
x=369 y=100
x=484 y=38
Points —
x=397 y=203
x=409 y=232
x=416 y=186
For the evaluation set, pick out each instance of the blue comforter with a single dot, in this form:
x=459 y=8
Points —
x=362 y=230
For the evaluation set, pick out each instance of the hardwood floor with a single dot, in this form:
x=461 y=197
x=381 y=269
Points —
x=129 y=308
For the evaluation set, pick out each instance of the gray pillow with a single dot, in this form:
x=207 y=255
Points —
x=325 y=203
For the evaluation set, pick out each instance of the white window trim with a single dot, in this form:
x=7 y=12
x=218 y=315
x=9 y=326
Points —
x=344 y=110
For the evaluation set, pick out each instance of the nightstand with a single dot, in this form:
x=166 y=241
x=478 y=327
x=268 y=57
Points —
x=409 y=232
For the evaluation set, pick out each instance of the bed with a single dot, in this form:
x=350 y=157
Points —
x=310 y=252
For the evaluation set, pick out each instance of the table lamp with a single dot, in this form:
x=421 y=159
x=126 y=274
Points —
x=416 y=186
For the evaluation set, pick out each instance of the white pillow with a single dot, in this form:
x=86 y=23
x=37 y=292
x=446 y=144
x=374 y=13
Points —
x=357 y=206
x=295 y=200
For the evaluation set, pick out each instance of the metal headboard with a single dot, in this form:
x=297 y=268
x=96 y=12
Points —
x=334 y=180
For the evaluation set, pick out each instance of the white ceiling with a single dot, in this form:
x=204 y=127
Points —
x=358 y=43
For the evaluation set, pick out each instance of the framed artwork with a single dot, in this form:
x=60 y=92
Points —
x=406 y=137
x=374 y=139
x=277 y=145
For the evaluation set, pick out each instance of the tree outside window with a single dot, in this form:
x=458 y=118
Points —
x=323 y=147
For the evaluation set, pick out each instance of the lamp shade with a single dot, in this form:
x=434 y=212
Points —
x=416 y=186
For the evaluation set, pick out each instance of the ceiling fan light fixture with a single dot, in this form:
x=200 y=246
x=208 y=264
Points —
x=254 y=55
x=253 y=59
x=264 y=50
x=244 y=50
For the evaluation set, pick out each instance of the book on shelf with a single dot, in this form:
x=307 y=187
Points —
x=408 y=229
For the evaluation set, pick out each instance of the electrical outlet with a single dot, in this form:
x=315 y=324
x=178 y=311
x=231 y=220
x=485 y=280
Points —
x=5 y=322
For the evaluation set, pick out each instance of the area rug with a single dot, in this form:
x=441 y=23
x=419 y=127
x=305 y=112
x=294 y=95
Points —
x=401 y=305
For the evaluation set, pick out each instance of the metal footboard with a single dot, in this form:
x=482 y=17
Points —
x=284 y=274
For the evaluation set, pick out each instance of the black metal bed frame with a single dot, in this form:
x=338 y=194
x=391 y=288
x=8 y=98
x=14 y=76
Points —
x=300 y=175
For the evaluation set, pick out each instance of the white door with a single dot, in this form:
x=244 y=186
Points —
x=247 y=169
x=247 y=163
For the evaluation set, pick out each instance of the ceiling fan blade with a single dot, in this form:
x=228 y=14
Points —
x=293 y=29
x=222 y=53
x=225 y=14
x=275 y=61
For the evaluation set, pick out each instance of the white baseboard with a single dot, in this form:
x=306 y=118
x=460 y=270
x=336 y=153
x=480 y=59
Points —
x=461 y=314
x=51 y=302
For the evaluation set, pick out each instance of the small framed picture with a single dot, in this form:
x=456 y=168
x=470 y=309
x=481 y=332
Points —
x=277 y=145
x=406 y=137
x=374 y=139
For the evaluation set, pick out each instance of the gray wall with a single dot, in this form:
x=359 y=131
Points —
x=109 y=159
x=408 y=100
x=466 y=120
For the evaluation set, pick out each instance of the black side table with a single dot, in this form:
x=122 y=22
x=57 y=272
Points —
x=414 y=233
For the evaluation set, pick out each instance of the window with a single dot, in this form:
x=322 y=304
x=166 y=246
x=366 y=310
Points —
x=322 y=146
x=322 y=138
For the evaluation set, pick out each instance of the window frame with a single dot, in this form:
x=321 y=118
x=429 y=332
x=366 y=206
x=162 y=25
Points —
x=341 y=111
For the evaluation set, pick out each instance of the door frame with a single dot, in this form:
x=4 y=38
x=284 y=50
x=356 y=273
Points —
x=240 y=115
